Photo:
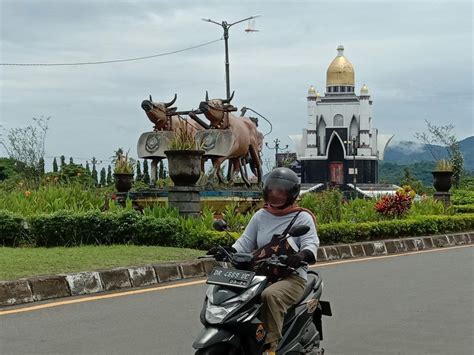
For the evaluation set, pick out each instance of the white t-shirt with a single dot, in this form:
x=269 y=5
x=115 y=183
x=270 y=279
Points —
x=264 y=225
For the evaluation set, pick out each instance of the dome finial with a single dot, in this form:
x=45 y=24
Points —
x=340 y=50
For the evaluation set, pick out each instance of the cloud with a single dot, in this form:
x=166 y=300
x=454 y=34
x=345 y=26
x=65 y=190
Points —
x=417 y=63
x=407 y=147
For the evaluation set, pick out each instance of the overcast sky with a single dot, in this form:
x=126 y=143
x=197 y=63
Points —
x=415 y=57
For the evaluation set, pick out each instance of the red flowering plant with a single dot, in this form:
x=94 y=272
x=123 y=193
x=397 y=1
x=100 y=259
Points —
x=396 y=205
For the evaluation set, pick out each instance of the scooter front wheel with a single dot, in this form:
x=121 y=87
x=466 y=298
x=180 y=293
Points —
x=218 y=349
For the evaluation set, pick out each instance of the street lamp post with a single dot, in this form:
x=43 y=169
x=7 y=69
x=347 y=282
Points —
x=277 y=148
x=225 y=26
x=354 y=175
x=353 y=143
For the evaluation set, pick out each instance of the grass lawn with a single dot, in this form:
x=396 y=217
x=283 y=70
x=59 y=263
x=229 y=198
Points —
x=25 y=262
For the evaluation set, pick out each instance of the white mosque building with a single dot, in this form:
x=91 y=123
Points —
x=340 y=131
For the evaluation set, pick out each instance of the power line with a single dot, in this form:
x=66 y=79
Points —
x=113 y=61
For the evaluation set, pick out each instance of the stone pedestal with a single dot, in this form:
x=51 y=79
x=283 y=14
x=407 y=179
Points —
x=444 y=197
x=186 y=199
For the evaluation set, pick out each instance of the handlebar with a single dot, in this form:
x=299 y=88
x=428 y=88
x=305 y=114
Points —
x=274 y=260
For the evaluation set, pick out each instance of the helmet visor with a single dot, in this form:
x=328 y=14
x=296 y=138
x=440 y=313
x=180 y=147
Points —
x=277 y=191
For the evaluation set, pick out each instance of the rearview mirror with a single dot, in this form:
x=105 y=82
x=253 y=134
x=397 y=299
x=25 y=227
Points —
x=298 y=230
x=219 y=225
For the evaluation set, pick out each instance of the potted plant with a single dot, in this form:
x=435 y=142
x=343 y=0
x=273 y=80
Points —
x=442 y=175
x=184 y=157
x=123 y=171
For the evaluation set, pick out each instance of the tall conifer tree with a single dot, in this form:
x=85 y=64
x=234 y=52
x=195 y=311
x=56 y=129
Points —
x=94 y=171
x=146 y=175
x=55 y=165
x=109 y=175
x=103 y=179
x=41 y=166
x=139 y=171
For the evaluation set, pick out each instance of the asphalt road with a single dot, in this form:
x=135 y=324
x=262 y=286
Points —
x=412 y=304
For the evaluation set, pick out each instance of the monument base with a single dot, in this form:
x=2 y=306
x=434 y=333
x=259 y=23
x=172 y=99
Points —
x=186 y=199
x=444 y=197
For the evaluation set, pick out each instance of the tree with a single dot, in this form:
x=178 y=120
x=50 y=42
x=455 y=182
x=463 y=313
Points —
x=103 y=178
x=109 y=175
x=71 y=161
x=55 y=165
x=41 y=166
x=410 y=180
x=146 y=175
x=27 y=144
x=94 y=171
x=139 y=171
x=162 y=172
x=88 y=169
x=444 y=136
x=62 y=159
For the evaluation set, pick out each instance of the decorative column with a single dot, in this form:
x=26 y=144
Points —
x=186 y=199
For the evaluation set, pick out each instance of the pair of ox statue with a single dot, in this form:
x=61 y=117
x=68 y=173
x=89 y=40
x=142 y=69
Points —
x=226 y=137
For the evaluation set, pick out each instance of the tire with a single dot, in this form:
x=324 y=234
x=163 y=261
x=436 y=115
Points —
x=218 y=349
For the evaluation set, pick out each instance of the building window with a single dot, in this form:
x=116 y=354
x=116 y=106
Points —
x=338 y=120
x=343 y=88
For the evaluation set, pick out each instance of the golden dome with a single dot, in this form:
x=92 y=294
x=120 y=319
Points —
x=340 y=71
x=364 y=90
x=311 y=90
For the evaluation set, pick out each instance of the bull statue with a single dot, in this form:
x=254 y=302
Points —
x=166 y=120
x=246 y=144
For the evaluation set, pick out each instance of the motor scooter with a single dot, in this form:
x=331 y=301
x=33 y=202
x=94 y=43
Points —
x=230 y=313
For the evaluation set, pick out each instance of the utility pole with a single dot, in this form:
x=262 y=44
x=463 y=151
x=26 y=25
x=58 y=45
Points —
x=277 y=148
x=225 y=26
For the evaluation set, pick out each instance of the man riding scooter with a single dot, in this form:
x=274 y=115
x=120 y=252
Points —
x=280 y=212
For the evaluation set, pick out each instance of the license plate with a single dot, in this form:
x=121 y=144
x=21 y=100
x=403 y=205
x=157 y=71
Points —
x=230 y=277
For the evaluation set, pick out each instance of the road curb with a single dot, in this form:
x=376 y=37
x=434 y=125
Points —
x=83 y=283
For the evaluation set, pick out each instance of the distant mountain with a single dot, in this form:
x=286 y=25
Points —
x=406 y=152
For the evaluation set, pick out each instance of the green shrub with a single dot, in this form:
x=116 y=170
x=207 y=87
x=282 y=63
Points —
x=429 y=207
x=130 y=227
x=463 y=208
x=13 y=229
x=326 y=205
x=425 y=225
x=235 y=220
x=360 y=210
x=463 y=197
x=50 y=199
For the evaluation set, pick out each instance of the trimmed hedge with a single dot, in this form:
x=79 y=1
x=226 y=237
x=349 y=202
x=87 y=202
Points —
x=130 y=227
x=426 y=225
x=12 y=228
x=464 y=208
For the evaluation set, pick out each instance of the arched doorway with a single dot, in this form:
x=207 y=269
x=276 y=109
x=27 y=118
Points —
x=336 y=160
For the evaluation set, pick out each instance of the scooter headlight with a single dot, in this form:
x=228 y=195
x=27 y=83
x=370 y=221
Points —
x=244 y=296
x=216 y=314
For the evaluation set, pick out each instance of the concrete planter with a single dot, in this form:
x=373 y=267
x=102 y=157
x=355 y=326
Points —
x=123 y=182
x=184 y=166
x=442 y=180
